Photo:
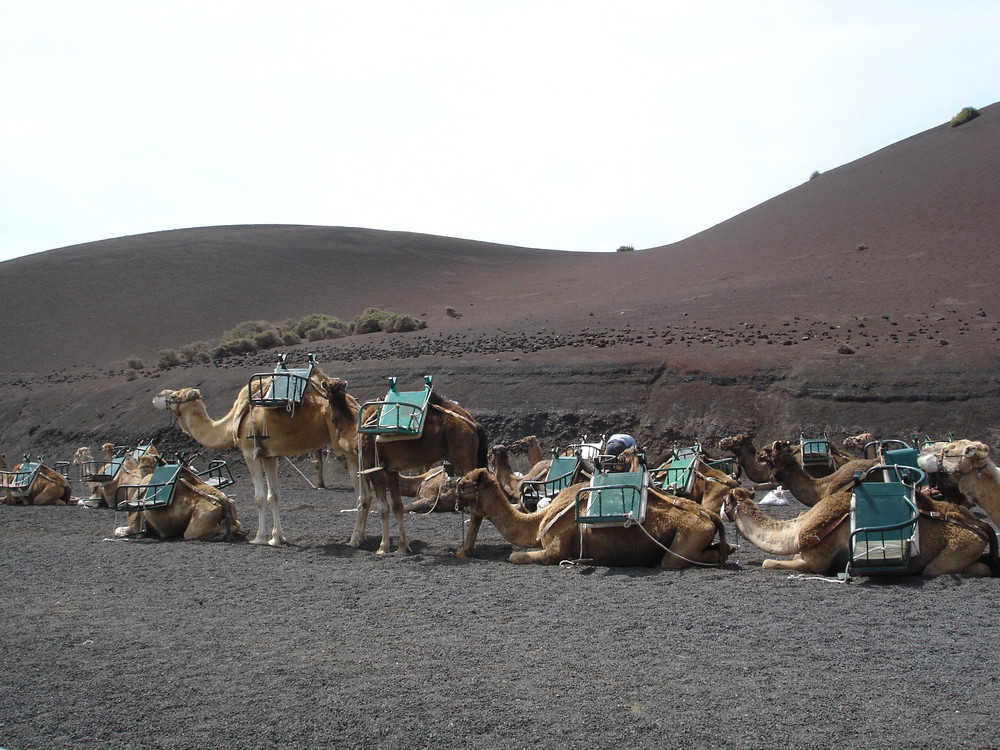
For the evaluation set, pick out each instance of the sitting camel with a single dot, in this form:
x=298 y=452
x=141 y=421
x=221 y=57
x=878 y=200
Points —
x=196 y=510
x=967 y=463
x=808 y=490
x=108 y=475
x=742 y=447
x=862 y=445
x=676 y=533
x=449 y=433
x=48 y=487
x=951 y=541
x=499 y=459
x=263 y=435
x=434 y=491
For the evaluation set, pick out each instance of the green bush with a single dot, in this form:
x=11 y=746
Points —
x=625 y=249
x=267 y=339
x=318 y=321
x=168 y=358
x=195 y=353
x=232 y=348
x=967 y=113
x=374 y=320
x=134 y=363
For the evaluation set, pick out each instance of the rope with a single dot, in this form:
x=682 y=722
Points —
x=825 y=579
x=290 y=463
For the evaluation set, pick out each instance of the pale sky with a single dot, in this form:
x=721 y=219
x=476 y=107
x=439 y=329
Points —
x=573 y=125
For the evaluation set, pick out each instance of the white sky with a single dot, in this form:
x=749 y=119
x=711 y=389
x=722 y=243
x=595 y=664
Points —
x=573 y=125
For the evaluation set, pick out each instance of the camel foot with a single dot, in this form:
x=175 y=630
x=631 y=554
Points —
x=277 y=541
x=259 y=540
x=120 y=531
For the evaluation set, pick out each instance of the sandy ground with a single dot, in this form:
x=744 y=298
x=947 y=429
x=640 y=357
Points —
x=150 y=644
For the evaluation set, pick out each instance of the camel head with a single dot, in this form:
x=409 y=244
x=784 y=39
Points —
x=168 y=399
x=736 y=442
x=147 y=464
x=778 y=453
x=731 y=501
x=498 y=450
x=108 y=449
x=524 y=444
x=960 y=457
x=469 y=486
x=857 y=443
x=82 y=456
x=334 y=387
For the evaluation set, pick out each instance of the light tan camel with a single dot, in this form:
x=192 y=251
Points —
x=951 y=542
x=196 y=510
x=968 y=463
x=676 y=533
x=499 y=460
x=49 y=487
x=530 y=447
x=110 y=473
x=304 y=430
x=808 y=490
x=861 y=445
x=449 y=433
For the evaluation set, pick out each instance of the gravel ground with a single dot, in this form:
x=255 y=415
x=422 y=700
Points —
x=150 y=644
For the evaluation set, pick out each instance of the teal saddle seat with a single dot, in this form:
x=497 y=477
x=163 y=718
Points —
x=21 y=479
x=884 y=519
x=613 y=498
x=284 y=387
x=561 y=474
x=399 y=416
x=158 y=492
x=678 y=477
x=816 y=452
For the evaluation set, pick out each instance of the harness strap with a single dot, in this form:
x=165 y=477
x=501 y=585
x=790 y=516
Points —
x=938 y=516
x=810 y=541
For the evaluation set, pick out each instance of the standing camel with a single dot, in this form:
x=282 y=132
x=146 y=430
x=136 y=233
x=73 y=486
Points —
x=304 y=430
x=450 y=433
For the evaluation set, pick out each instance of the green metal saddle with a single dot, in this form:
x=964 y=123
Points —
x=613 y=498
x=285 y=387
x=884 y=519
x=158 y=492
x=399 y=416
x=562 y=472
x=22 y=479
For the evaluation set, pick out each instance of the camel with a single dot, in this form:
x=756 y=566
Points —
x=742 y=447
x=108 y=475
x=682 y=533
x=48 y=487
x=968 y=463
x=861 y=445
x=808 y=490
x=196 y=510
x=531 y=449
x=499 y=459
x=449 y=433
x=434 y=491
x=304 y=430
x=951 y=542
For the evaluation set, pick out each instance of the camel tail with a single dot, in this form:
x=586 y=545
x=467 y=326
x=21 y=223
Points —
x=482 y=459
x=992 y=558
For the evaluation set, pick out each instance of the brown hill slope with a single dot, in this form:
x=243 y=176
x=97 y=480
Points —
x=859 y=300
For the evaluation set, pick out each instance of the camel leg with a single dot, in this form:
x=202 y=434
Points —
x=365 y=497
x=535 y=557
x=205 y=522
x=273 y=501
x=943 y=565
x=318 y=463
x=797 y=564
x=471 y=533
x=396 y=506
x=131 y=527
x=690 y=546
x=259 y=498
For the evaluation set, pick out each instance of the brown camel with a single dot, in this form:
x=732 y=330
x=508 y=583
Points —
x=675 y=534
x=967 y=462
x=449 y=433
x=808 y=490
x=434 y=491
x=46 y=487
x=530 y=447
x=499 y=459
x=951 y=542
x=196 y=510
x=305 y=429
x=742 y=447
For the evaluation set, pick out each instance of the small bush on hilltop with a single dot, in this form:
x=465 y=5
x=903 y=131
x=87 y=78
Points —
x=968 y=113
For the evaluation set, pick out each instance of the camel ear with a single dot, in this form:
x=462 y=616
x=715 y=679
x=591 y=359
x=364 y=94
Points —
x=981 y=448
x=972 y=448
